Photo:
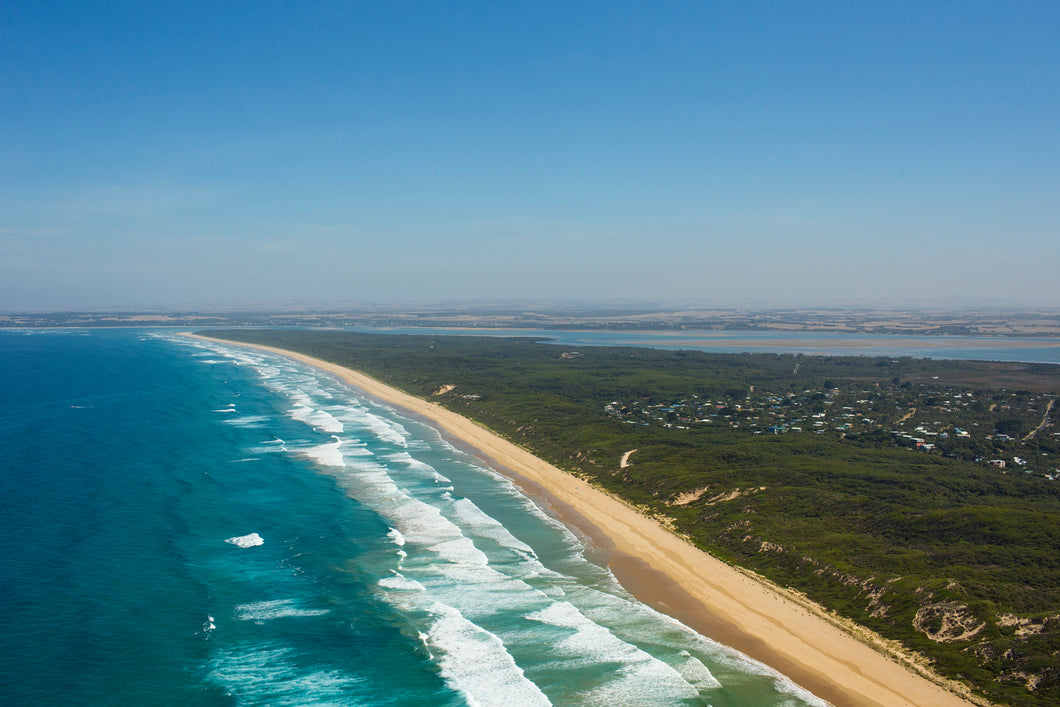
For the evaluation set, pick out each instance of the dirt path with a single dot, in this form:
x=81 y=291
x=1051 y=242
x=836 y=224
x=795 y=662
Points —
x=908 y=415
x=1045 y=421
x=625 y=459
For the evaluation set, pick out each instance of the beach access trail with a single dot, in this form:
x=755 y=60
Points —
x=779 y=628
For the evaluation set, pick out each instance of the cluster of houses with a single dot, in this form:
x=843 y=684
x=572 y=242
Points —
x=935 y=421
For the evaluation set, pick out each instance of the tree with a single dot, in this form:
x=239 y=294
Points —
x=1011 y=426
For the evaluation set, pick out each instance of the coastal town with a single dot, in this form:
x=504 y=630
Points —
x=1012 y=431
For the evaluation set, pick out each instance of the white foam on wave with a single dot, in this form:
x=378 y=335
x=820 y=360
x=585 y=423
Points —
x=326 y=454
x=248 y=421
x=307 y=389
x=696 y=673
x=263 y=364
x=439 y=553
x=733 y=660
x=252 y=540
x=484 y=525
x=416 y=522
x=439 y=550
x=377 y=427
x=510 y=490
x=273 y=447
x=415 y=464
x=320 y=419
x=266 y=371
x=296 y=395
x=265 y=674
x=276 y=609
x=243 y=357
x=405 y=459
x=629 y=618
x=424 y=525
x=367 y=479
x=458 y=573
x=475 y=662
x=208 y=626
x=401 y=583
x=651 y=680
x=318 y=390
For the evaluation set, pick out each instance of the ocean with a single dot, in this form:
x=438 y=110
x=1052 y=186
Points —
x=190 y=523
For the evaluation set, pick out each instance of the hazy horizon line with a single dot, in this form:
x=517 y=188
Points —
x=548 y=304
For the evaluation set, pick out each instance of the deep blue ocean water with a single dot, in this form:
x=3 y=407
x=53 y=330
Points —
x=184 y=523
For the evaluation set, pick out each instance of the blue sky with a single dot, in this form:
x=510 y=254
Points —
x=759 y=154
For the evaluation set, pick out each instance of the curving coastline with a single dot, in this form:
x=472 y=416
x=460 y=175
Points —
x=777 y=627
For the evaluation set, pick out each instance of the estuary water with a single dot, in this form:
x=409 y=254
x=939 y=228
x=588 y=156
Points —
x=183 y=522
x=811 y=343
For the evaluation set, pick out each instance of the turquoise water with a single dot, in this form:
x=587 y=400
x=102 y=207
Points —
x=191 y=523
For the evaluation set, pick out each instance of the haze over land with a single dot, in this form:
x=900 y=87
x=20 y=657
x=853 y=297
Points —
x=1002 y=326
x=898 y=153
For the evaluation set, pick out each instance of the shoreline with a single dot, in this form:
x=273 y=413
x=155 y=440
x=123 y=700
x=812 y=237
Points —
x=774 y=626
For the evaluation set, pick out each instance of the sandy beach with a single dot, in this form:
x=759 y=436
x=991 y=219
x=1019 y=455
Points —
x=776 y=627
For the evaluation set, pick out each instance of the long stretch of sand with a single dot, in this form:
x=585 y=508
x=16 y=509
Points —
x=776 y=627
